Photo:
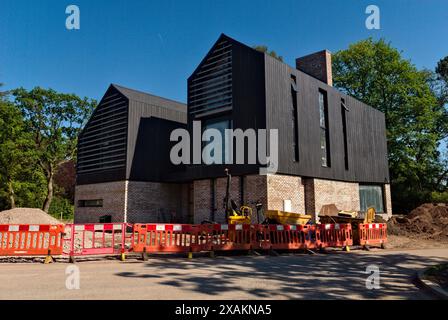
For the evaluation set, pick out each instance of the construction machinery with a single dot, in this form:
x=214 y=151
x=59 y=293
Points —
x=283 y=217
x=243 y=215
x=331 y=214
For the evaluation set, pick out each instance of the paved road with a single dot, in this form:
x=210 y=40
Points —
x=320 y=276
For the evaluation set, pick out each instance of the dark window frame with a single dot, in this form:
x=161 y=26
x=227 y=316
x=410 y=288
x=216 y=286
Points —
x=210 y=121
x=90 y=203
x=324 y=129
x=344 y=111
x=383 y=195
x=295 y=118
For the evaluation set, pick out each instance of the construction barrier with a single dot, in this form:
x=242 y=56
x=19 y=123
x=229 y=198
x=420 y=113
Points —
x=334 y=235
x=372 y=234
x=285 y=237
x=175 y=238
x=76 y=240
x=223 y=237
x=31 y=240
x=97 y=239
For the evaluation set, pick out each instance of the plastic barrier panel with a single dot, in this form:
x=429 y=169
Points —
x=30 y=240
x=97 y=239
x=168 y=238
x=372 y=234
x=335 y=235
x=229 y=237
x=285 y=237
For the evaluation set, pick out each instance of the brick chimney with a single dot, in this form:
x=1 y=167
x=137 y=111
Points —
x=317 y=65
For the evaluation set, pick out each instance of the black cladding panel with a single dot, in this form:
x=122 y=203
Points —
x=102 y=145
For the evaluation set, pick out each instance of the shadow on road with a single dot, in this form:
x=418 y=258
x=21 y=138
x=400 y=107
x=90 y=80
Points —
x=322 y=276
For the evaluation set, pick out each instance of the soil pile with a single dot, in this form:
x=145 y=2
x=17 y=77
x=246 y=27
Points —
x=26 y=216
x=429 y=221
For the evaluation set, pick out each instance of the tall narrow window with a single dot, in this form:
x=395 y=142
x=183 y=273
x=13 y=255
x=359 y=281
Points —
x=344 y=110
x=295 y=117
x=324 y=134
x=221 y=125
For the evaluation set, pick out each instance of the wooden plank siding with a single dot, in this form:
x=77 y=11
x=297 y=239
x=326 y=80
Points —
x=366 y=132
x=149 y=122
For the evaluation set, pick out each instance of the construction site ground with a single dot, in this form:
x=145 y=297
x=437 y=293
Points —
x=336 y=275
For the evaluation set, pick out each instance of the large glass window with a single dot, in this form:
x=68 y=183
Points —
x=221 y=126
x=371 y=196
x=324 y=135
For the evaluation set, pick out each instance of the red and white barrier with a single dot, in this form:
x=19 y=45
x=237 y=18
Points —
x=372 y=234
x=30 y=240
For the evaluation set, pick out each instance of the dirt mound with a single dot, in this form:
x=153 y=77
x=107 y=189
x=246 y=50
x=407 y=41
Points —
x=429 y=221
x=26 y=216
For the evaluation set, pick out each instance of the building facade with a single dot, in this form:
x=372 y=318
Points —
x=331 y=148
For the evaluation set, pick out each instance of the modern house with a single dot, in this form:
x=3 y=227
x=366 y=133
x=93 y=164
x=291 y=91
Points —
x=331 y=148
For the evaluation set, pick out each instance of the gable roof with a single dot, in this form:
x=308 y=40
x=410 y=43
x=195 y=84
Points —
x=212 y=49
x=150 y=99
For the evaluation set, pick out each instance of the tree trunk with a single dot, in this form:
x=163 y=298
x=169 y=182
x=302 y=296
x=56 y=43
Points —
x=49 y=197
x=11 y=194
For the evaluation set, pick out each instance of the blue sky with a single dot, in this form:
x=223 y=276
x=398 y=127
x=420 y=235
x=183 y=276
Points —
x=155 y=45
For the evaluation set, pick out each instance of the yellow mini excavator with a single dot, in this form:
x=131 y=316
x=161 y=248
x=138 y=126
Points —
x=243 y=215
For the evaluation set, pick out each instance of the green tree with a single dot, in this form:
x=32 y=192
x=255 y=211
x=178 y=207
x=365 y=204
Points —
x=15 y=149
x=272 y=53
x=54 y=120
x=376 y=73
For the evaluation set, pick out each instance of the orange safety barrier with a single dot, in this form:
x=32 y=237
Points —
x=285 y=237
x=31 y=240
x=168 y=238
x=334 y=235
x=97 y=239
x=222 y=237
x=372 y=234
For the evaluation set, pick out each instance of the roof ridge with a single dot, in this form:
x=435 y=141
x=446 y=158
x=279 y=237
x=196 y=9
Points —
x=118 y=87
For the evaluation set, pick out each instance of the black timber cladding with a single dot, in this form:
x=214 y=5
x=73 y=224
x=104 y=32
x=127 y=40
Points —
x=141 y=109
x=247 y=95
x=210 y=90
x=143 y=105
x=365 y=129
x=262 y=98
x=102 y=143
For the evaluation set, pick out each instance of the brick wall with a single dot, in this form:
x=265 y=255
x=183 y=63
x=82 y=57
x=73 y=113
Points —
x=345 y=195
x=255 y=190
x=284 y=187
x=113 y=196
x=155 y=202
x=162 y=202
x=145 y=202
x=317 y=65
x=388 y=197
x=202 y=200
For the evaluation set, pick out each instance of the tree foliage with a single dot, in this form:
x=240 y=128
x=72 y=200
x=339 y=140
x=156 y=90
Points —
x=272 y=53
x=376 y=73
x=54 y=120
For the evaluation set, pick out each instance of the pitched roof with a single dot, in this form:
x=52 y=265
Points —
x=150 y=99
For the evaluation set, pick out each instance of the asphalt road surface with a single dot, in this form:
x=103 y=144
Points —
x=299 y=276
